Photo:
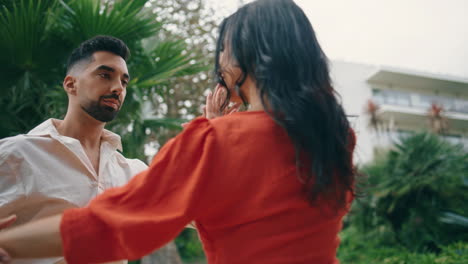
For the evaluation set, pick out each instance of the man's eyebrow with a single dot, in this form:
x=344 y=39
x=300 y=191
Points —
x=107 y=68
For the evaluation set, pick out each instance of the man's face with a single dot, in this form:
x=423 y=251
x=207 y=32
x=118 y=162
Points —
x=101 y=86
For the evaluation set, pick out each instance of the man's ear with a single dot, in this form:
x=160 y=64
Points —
x=69 y=85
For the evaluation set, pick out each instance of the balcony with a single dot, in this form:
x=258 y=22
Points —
x=408 y=110
x=422 y=82
x=419 y=101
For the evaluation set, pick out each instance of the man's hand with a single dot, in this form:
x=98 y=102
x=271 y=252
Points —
x=214 y=103
x=5 y=222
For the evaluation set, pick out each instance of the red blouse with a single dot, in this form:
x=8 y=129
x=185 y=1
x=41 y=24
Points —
x=235 y=176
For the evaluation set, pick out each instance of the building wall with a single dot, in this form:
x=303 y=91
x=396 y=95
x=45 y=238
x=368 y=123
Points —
x=349 y=80
x=405 y=107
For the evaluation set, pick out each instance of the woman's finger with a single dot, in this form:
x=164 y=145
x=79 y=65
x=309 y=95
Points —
x=222 y=97
x=209 y=102
x=223 y=94
x=234 y=108
x=217 y=97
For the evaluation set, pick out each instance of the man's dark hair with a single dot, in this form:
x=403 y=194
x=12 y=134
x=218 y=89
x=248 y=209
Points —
x=99 y=43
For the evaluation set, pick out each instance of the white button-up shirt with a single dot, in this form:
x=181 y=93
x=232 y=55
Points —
x=42 y=173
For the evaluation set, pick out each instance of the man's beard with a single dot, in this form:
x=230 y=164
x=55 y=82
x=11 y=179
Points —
x=100 y=112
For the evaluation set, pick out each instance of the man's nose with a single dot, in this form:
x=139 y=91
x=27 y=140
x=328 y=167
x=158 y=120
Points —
x=117 y=88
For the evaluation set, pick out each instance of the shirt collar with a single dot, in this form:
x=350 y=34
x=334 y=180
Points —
x=47 y=128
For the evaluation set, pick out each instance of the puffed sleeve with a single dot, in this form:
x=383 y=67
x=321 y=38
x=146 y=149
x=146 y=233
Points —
x=152 y=209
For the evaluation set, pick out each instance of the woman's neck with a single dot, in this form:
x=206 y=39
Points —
x=253 y=96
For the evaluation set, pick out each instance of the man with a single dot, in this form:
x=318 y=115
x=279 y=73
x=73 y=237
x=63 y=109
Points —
x=65 y=163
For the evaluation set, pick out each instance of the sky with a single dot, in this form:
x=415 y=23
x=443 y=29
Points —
x=421 y=35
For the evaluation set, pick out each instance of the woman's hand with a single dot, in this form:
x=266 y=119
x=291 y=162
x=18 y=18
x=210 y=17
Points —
x=214 y=103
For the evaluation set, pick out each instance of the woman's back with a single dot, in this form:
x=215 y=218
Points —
x=260 y=213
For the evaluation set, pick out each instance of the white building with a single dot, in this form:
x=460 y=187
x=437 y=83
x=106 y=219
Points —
x=404 y=98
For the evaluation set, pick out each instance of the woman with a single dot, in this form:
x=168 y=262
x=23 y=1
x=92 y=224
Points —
x=269 y=185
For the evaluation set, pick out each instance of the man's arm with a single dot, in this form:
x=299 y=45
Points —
x=4 y=223
x=38 y=239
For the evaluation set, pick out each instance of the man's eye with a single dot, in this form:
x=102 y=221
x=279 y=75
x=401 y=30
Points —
x=104 y=75
x=124 y=83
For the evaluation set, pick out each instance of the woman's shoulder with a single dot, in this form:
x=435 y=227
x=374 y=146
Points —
x=238 y=129
x=246 y=120
x=233 y=121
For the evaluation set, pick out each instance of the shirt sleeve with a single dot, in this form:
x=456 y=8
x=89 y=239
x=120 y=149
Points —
x=11 y=187
x=137 y=165
x=133 y=220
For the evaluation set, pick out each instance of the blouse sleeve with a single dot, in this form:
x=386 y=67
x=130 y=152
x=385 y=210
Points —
x=133 y=220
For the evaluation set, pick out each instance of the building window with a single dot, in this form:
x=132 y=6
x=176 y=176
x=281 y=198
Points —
x=420 y=101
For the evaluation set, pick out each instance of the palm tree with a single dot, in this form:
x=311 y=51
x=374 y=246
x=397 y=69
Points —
x=418 y=191
x=36 y=38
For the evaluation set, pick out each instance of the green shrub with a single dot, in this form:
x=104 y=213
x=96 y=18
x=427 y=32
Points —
x=417 y=192
x=359 y=248
x=189 y=245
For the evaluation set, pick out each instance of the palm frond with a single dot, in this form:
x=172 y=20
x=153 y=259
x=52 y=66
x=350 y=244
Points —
x=23 y=29
x=166 y=61
x=122 y=19
x=454 y=219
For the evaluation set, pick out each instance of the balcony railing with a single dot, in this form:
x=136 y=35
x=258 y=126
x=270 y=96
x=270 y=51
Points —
x=420 y=101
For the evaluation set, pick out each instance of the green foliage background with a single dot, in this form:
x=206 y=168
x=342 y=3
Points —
x=414 y=206
x=37 y=37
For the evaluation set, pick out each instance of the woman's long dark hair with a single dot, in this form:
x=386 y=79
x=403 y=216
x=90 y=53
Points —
x=273 y=42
